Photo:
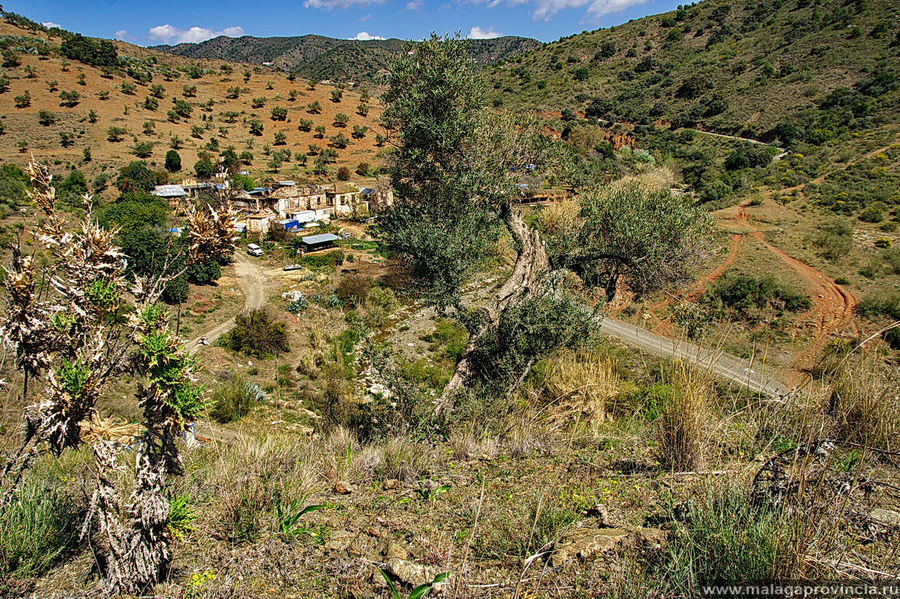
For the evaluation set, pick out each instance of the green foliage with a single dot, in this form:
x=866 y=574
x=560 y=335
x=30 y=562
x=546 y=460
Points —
x=744 y=295
x=257 y=334
x=38 y=526
x=834 y=239
x=418 y=592
x=886 y=304
x=530 y=328
x=234 y=400
x=98 y=53
x=727 y=537
x=287 y=518
x=204 y=168
x=173 y=161
x=136 y=177
x=181 y=516
x=650 y=237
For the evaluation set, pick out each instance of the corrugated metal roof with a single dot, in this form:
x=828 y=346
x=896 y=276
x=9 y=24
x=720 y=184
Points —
x=320 y=238
x=169 y=191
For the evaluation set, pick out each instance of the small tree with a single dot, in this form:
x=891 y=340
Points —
x=339 y=141
x=115 y=134
x=336 y=95
x=143 y=149
x=69 y=98
x=359 y=131
x=256 y=127
x=343 y=174
x=173 y=161
x=314 y=107
x=305 y=125
x=341 y=120
x=279 y=113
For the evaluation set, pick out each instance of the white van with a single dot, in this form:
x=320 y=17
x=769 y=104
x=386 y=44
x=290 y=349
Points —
x=254 y=250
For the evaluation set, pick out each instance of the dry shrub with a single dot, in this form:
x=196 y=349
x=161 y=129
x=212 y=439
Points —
x=865 y=403
x=582 y=383
x=560 y=217
x=405 y=460
x=344 y=458
x=654 y=179
x=682 y=426
x=353 y=289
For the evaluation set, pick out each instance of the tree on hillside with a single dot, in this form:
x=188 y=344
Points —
x=651 y=238
x=451 y=173
x=173 y=161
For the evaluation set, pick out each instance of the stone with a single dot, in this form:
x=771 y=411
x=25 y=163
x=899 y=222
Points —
x=343 y=488
x=411 y=573
x=586 y=542
x=883 y=517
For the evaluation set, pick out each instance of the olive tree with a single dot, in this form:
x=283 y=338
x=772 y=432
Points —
x=649 y=237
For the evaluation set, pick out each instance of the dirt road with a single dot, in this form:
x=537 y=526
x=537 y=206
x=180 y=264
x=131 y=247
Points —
x=253 y=281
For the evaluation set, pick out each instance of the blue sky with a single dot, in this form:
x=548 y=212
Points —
x=169 y=21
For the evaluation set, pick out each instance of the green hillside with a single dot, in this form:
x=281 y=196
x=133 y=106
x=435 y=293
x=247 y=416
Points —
x=319 y=57
x=735 y=67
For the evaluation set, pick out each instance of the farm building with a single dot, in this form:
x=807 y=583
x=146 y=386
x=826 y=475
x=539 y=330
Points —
x=258 y=223
x=314 y=243
x=171 y=193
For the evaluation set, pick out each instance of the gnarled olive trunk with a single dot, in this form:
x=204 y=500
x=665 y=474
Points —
x=531 y=265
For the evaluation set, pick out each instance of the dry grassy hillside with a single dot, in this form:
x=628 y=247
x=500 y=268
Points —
x=105 y=100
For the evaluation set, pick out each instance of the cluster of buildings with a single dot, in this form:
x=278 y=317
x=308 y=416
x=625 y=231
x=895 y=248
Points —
x=287 y=203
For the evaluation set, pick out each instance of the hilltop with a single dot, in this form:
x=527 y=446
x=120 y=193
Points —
x=729 y=66
x=320 y=58
x=96 y=118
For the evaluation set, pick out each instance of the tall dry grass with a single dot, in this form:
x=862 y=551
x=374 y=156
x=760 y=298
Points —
x=864 y=402
x=582 y=384
x=684 y=423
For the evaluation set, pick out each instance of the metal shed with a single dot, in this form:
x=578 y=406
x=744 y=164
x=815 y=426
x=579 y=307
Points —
x=322 y=241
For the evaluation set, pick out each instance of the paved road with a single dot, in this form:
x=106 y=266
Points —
x=719 y=363
x=253 y=282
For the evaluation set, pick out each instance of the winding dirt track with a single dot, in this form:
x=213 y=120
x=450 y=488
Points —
x=253 y=282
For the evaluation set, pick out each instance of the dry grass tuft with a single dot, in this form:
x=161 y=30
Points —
x=865 y=404
x=654 y=179
x=560 y=217
x=683 y=424
x=582 y=383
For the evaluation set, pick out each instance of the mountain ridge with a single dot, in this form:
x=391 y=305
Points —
x=321 y=57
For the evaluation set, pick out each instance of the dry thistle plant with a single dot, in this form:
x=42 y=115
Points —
x=72 y=328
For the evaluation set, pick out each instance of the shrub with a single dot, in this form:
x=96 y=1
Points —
x=354 y=289
x=834 y=239
x=257 y=334
x=343 y=174
x=745 y=293
x=173 y=161
x=279 y=113
x=36 y=527
x=727 y=537
x=885 y=304
x=234 y=399
x=69 y=98
x=46 y=118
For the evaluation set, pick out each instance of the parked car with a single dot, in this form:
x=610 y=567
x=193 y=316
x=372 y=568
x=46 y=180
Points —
x=254 y=250
x=293 y=267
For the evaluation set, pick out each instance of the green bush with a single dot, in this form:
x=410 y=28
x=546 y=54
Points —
x=884 y=304
x=727 y=537
x=234 y=399
x=38 y=526
x=742 y=294
x=257 y=334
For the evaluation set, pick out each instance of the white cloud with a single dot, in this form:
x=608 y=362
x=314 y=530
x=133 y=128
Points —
x=544 y=9
x=364 y=36
x=414 y=5
x=169 y=34
x=51 y=25
x=122 y=34
x=332 y=4
x=477 y=33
